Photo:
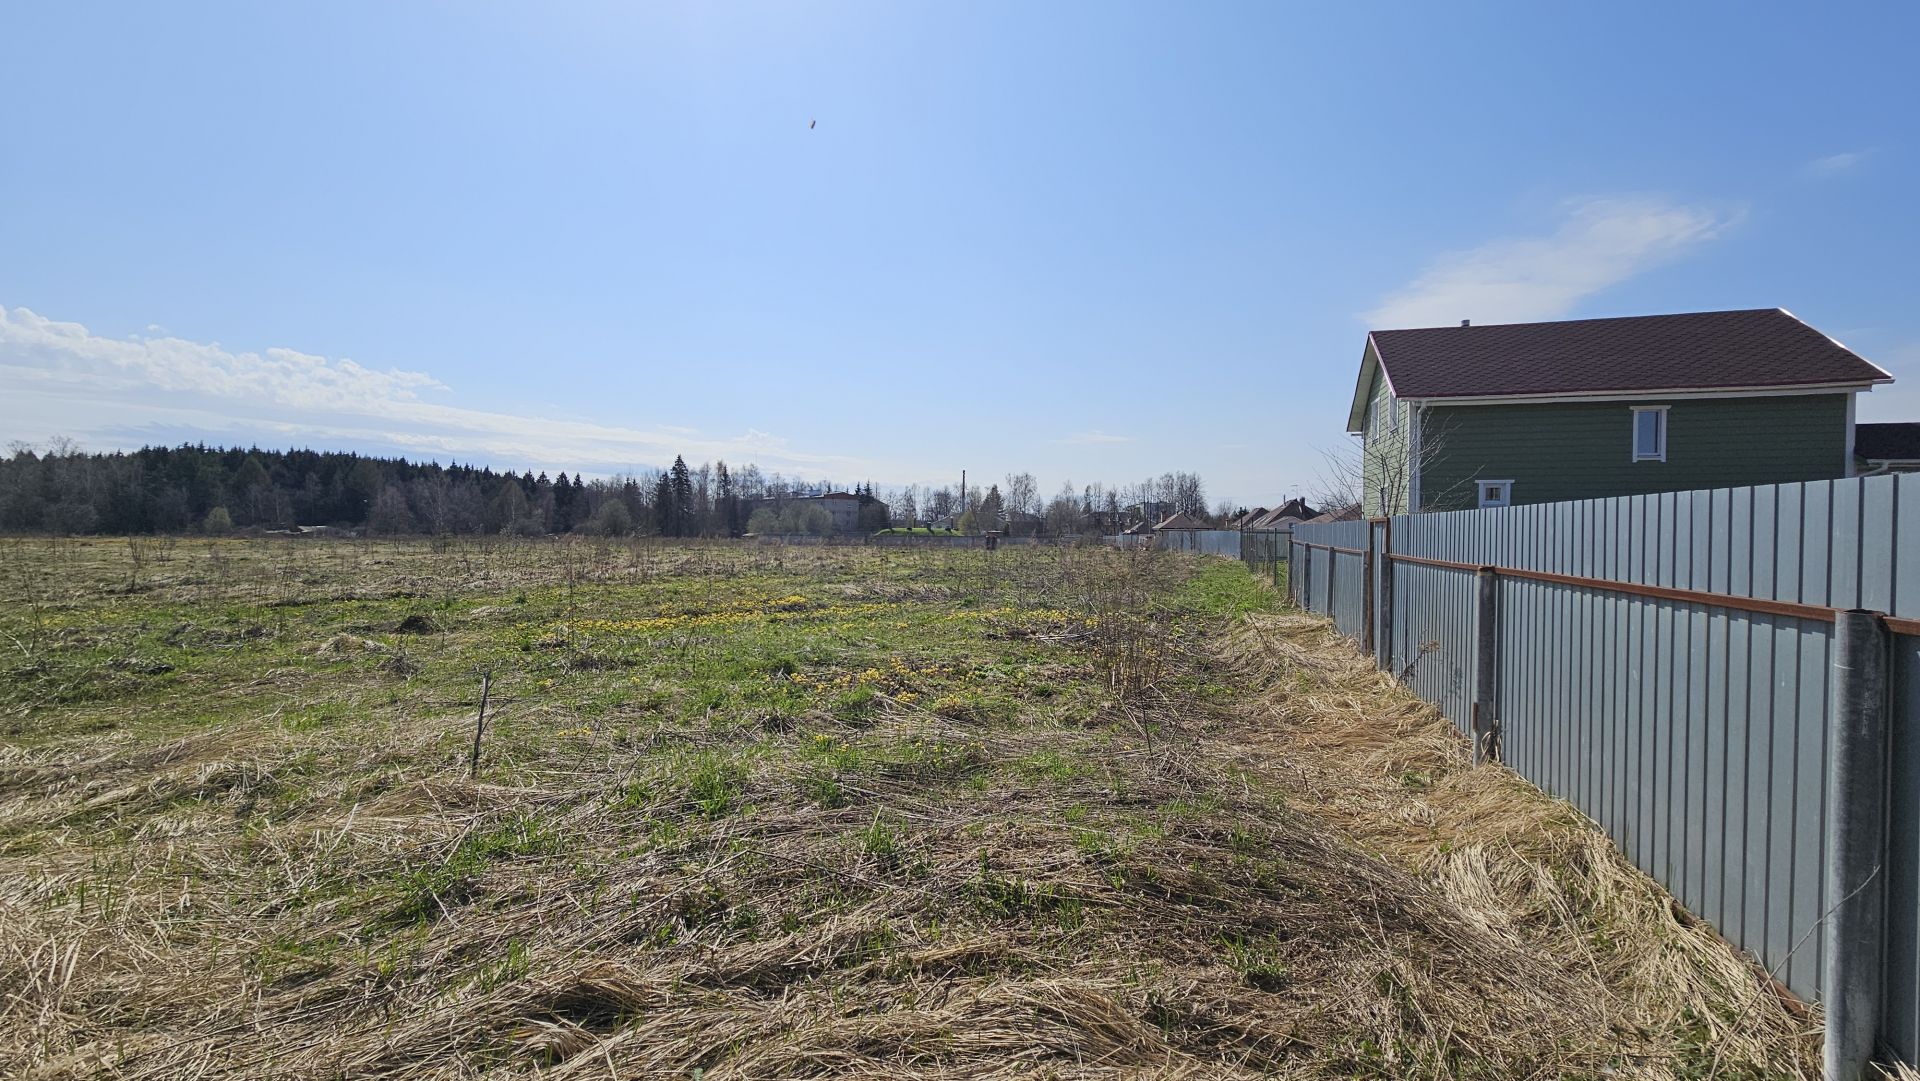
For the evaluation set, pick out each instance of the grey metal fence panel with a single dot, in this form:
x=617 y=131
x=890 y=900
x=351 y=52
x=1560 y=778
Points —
x=1694 y=734
x=1901 y=1025
x=1335 y=573
x=1264 y=546
x=1213 y=542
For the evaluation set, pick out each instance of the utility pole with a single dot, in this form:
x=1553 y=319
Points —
x=963 y=491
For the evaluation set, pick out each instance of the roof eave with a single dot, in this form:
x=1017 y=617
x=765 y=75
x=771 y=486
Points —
x=1751 y=390
x=1357 y=412
x=1886 y=376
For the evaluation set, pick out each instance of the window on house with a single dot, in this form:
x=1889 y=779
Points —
x=1494 y=493
x=1383 y=412
x=1649 y=433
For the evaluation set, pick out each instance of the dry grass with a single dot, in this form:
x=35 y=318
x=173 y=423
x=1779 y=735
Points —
x=1387 y=769
x=1181 y=846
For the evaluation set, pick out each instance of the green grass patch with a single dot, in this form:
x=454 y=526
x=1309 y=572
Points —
x=1222 y=588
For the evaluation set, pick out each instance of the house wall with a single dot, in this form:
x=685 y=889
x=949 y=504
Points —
x=845 y=513
x=1385 y=474
x=1555 y=452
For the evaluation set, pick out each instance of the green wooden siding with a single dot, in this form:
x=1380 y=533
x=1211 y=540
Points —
x=1385 y=477
x=1553 y=452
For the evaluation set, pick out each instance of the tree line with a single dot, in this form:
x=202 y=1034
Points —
x=62 y=489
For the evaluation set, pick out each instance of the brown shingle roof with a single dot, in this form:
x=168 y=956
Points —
x=1344 y=514
x=1764 y=347
x=1275 y=520
x=1182 y=520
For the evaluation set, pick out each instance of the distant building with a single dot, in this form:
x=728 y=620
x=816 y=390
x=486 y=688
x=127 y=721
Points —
x=1283 y=516
x=1343 y=514
x=1183 y=520
x=844 y=507
x=1021 y=523
x=1505 y=415
x=849 y=512
x=1151 y=511
x=1888 y=448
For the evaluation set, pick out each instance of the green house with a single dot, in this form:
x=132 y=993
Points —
x=1492 y=416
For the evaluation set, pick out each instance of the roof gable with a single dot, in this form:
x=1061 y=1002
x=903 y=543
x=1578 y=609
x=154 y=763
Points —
x=1363 y=387
x=1764 y=348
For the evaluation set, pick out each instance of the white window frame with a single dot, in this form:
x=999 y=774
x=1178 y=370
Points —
x=1385 y=417
x=1633 y=434
x=1480 y=493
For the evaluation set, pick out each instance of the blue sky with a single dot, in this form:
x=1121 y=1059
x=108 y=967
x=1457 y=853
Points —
x=1093 y=241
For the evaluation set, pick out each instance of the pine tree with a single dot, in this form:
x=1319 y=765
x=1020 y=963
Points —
x=729 y=503
x=563 y=504
x=682 y=485
x=664 y=514
x=991 y=510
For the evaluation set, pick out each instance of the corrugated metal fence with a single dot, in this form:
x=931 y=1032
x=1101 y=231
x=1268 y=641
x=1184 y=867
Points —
x=1262 y=549
x=1694 y=728
x=1212 y=542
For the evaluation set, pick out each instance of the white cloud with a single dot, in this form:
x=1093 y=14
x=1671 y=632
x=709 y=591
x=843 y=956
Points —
x=1601 y=243
x=64 y=379
x=1834 y=164
x=1095 y=436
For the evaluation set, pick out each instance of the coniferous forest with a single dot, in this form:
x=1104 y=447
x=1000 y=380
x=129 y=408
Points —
x=63 y=490
x=212 y=489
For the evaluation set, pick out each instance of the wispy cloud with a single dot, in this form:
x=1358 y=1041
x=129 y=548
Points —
x=63 y=378
x=1601 y=243
x=1093 y=437
x=1834 y=164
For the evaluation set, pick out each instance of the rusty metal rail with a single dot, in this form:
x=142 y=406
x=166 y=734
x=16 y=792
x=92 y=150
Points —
x=1793 y=609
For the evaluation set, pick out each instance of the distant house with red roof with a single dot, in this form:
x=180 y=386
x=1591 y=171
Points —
x=1502 y=415
x=1283 y=516
x=1182 y=520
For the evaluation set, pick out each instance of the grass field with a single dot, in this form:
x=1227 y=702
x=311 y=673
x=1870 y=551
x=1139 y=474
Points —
x=761 y=812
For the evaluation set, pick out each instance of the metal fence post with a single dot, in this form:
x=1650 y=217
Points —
x=1486 y=730
x=1366 y=593
x=1384 y=640
x=1855 y=956
x=1306 y=577
x=1333 y=564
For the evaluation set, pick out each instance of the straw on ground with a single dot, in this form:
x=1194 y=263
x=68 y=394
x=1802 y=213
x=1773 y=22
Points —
x=766 y=813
